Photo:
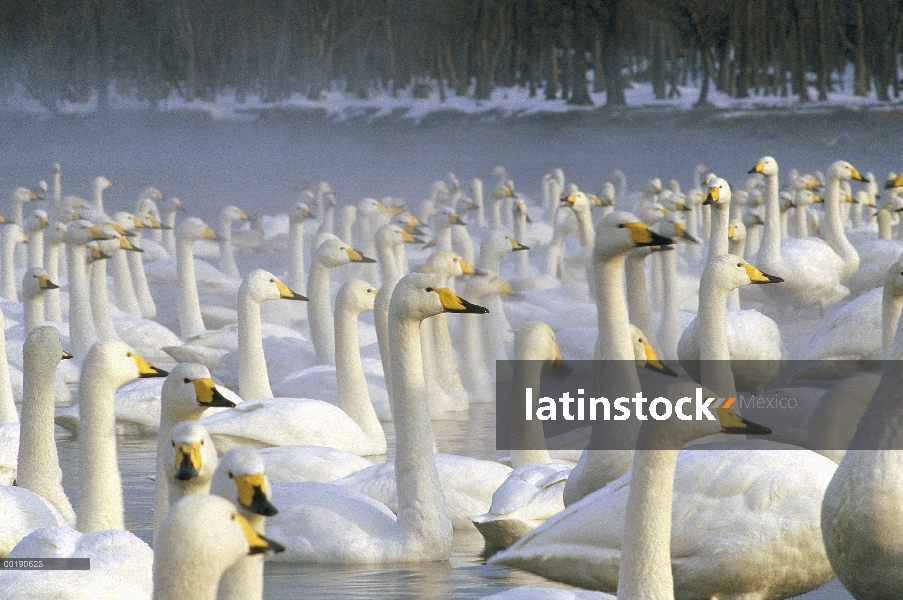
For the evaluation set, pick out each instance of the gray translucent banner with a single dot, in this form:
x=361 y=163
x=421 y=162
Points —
x=601 y=405
x=45 y=564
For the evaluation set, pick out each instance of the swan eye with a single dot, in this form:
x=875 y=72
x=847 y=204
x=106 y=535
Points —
x=187 y=380
x=430 y=289
x=739 y=264
x=272 y=281
x=231 y=476
x=173 y=444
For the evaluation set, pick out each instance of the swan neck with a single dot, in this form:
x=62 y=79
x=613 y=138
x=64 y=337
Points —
x=296 y=258
x=645 y=571
x=253 y=378
x=100 y=305
x=320 y=309
x=422 y=513
x=100 y=491
x=354 y=396
x=637 y=296
x=614 y=328
x=81 y=322
x=190 y=320
x=38 y=462
x=891 y=306
x=771 y=237
x=718 y=240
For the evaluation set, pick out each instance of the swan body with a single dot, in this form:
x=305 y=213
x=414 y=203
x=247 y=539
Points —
x=39 y=499
x=812 y=268
x=329 y=524
x=744 y=523
x=120 y=566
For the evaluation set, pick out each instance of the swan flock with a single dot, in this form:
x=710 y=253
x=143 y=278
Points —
x=301 y=410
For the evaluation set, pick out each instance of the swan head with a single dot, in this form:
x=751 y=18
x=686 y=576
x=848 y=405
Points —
x=300 y=212
x=14 y=235
x=150 y=193
x=728 y=272
x=419 y=296
x=194 y=229
x=333 y=253
x=502 y=190
x=261 y=285
x=487 y=285
x=128 y=222
x=767 y=166
x=241 y=475
x=101 y=183
x=55 y=233
x=446 y=264
x=652 y=213
x=116 y=364
x=736 y=230
x=172 y=205
x=200 y=538
x=676 y=227
x=36 y=221
x=356 y=296
x=188 y=391
x=673 y=433
x=620 y=232
x=536 y=341
x=496 y=243
x=390 y=235
x=607 y=193
x=645 y=355
x=194 y=455
x=233 y=213
x=21 y=195
x=35 y=282
x=579 y=202
x=43 y=344
x=719 y=193
x=844 y=171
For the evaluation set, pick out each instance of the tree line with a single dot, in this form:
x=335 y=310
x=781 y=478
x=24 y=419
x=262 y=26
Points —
x=150 y=49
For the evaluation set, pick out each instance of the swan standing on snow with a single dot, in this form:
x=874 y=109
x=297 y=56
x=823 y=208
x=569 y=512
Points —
x=330 y=254
x=201 y=537
x=334 y=528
